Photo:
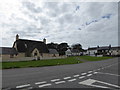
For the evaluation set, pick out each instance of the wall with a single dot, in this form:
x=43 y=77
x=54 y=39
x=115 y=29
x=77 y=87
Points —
x=50 y=55
x=7 y=56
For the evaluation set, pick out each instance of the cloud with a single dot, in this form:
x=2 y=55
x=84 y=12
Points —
x=72 y=22
x=31 y=6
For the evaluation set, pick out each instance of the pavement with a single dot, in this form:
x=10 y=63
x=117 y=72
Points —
x=95 y=74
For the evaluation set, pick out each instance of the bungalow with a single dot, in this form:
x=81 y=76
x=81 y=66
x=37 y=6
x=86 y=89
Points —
x=53 y=52
x=73 y=52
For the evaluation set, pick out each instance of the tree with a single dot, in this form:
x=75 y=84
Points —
x=52 y=45
x=77 y=46
x=62 y=48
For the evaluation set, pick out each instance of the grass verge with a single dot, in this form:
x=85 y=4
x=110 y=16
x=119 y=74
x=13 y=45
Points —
x=53 y=62
x=40 y=63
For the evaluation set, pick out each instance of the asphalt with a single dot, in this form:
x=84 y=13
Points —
x=96 y=74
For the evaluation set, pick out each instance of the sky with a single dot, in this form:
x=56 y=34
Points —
x=87 y=23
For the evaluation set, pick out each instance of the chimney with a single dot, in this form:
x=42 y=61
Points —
x=98 y=46
x=44 y=40
x=17 y=37
x=110 y=46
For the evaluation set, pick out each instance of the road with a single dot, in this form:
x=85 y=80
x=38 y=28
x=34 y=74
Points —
x=96 y=74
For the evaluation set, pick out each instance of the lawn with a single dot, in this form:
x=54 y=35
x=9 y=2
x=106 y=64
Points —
x=91 y=58
x=40 y=63
x=53 y=62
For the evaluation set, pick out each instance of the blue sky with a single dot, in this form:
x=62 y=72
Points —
x=87 y=23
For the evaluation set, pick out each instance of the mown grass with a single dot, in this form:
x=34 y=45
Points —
x=53 y=62
x=91 y=58
x=40 y=63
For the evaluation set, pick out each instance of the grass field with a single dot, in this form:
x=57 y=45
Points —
x=40 y=63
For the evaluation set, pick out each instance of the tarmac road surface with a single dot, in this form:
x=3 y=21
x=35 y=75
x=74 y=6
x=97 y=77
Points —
x=96 y=74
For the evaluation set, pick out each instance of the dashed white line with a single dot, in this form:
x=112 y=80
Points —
x=55 y=80
x=71 y=80
x=89 y=75
x=76 y=75
x=41 y=82
x=59 y=82
x=66 y=77
x=83 y=73
x=81 y=77
x=22 y=86
x=90 y=71
x=44 y=85
x=95 y=72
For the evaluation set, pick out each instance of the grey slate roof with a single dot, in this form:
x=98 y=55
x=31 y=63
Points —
x=115 y=48
x=53 y=51
x=92 y=48
x=104 y=48
x=8 y=50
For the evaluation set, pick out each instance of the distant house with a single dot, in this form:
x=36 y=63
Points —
x=8 y=52
x=68 y=52
x=76 y=52
x=91 y=51
x=115 y=51
x=53 y=52
x=104 y=51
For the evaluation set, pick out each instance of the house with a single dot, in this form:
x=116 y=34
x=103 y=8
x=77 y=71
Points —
x=91 y=51
x=115 y=51
x=68 y=52
x=104 y=51
x=7 y=53
x=32 y=48
x=76 y=52
x=53 y=52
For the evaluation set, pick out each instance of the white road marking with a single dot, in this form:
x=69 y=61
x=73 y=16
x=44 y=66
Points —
x=55 y=80
x=81 y=77
x=71 y=80
x=76 y=75
x=59 y=82
x=44 y=85
x=83 y=73
x=95 y=72
x=90 y=71
x=108 y=73
x=89 y=75
x=22 y=86
x=89 y=82
x=66 y=77
x=41 y=82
